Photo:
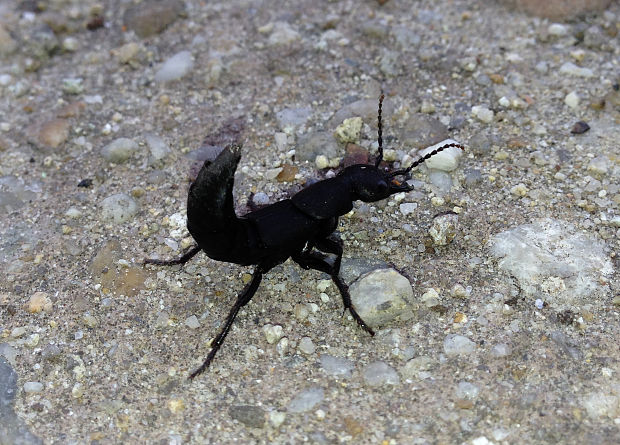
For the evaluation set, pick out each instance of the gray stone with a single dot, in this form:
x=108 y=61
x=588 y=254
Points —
x=119 y=150
x=310 y=145
x=249 y=415
x=119 y=208
x=146 y=21
x=554 y=261
x=382 y=296
x=455 y=344
x=380 y=373
x=175 y=67
x=306 y=400
x=337 y=366
x=421 y=130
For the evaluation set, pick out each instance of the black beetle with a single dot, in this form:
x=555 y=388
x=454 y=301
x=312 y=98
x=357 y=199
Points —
x=300 y=228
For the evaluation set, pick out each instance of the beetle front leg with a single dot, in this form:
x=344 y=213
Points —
x=244 y=297
x=309 y=259
x=181 y=260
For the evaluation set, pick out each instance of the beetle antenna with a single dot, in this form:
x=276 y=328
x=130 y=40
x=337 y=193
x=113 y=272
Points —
x=424 y=158
x=380 y=131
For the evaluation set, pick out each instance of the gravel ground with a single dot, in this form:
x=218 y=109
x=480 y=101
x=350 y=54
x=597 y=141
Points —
x=508 y=330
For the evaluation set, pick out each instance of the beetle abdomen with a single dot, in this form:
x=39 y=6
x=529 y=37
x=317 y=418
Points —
x=211 y=217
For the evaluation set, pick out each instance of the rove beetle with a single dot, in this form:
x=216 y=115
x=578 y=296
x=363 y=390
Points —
x=301 y=228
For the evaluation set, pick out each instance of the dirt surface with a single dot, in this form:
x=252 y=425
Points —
x=96 y=348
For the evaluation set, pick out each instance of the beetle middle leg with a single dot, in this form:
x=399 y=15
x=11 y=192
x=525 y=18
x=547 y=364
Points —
x=244 y=297
x=181 y=260
x=310 y=259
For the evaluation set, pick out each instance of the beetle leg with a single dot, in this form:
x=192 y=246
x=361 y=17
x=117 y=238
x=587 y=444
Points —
x=244 y=297
x=181 y=260
x=316 y=260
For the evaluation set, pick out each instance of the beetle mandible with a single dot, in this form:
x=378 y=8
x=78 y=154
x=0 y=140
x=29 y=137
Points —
x=301 y=228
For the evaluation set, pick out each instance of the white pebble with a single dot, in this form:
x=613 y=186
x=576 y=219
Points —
x=408 y=207
x=306 y=346
x=446 y=160
x=31 y=387
x=482 y=113
x=272 y=333
x=558 y=29
x=455 y=344
x=192 y=322
x=175 y=67
x=572 y=100
x=321 y=162
x=574 y=70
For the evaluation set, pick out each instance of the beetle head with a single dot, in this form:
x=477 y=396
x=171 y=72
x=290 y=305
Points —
x=370 y=183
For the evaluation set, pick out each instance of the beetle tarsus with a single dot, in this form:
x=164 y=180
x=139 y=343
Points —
x=188 y=255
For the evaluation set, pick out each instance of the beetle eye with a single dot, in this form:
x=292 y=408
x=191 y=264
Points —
x=382 y=187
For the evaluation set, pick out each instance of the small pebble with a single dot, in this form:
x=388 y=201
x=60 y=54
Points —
x=446 y=160
x=272 y=333
x=337 y=366
x=574 y=70
x=519 y=190
x=39 y=302
x=54 y=133
x=306 y=400
x=119 y=208
x=157 y=146
x=282 y=33
x=349 y=130
x=558 y=29
x=73 y=85
x=380 y=373
x=192 y=322
x=287 y=174
x=572 y=100
x=407 y=208
x=313 y=144
x=467 y=391
x=418 y=368
x=459 y=291
x=501 y=350
x=119 y=150
x=276 y=418
x=89 y=320
x=321 y=162
x=249 y=415
x=430 y=298
x=306 y=346
x=599 y=166
x=128 y=52
x=579 y=127
x=482 y=113
x=146 y=22
x=260 y=199
x=32 y=387
x=455 y=344
x=289 y=118
x=175 y=67
x=282 y=346
x=444 y=229
x=382 y=296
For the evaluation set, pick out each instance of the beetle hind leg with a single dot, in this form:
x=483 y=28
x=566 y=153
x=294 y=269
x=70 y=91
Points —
x=244 y=297
x=310 y=259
